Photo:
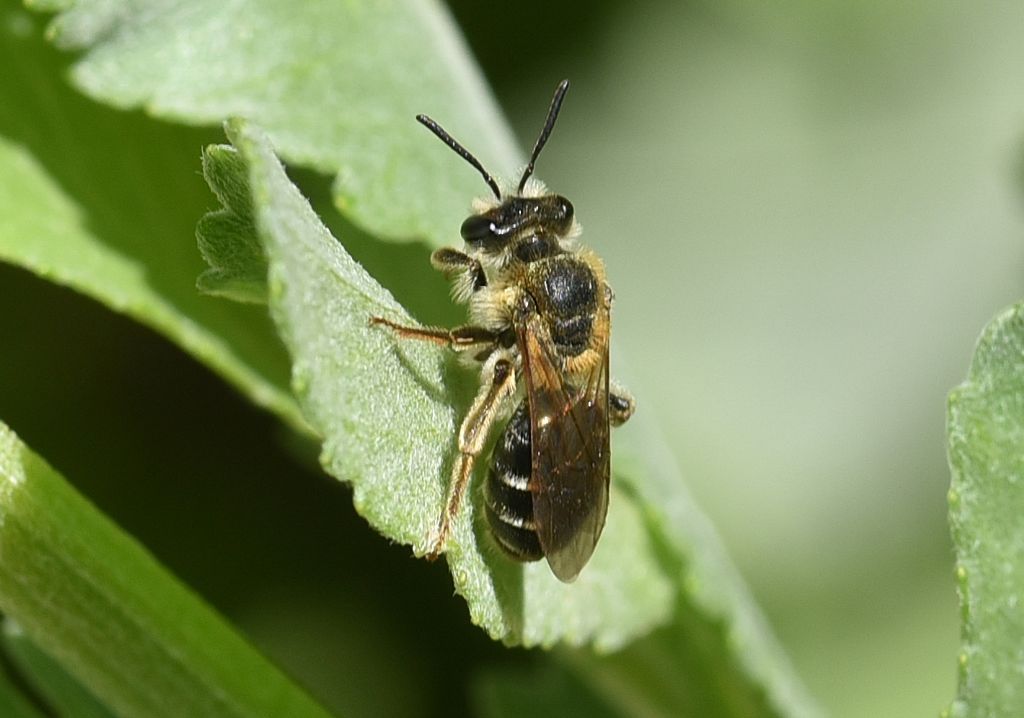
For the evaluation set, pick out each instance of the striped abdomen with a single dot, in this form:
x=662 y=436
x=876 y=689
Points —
x=508 y=501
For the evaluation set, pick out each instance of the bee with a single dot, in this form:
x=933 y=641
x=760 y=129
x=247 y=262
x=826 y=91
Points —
x=539 y=309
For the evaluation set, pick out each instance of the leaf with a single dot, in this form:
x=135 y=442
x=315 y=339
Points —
x=105 y=203
x=13 y=703
x=147 y=55
x=335 y=85
x=986 y=502
x=96 y=601
x=387 y=417
x=238 y=266
x=548 y=689
x=62 y=692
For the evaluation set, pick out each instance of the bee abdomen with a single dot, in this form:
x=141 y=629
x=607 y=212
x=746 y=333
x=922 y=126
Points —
x=507 y=497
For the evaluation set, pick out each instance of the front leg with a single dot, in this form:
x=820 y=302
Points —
x=467 y=273
x=459 y=339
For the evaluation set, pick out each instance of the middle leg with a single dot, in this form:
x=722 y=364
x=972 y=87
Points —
x=498 y=385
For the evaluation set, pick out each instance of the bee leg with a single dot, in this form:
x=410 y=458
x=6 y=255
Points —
x=458 y=339
x=450 y=260
x=467 y=274
x=621 y=405
x=499 y=383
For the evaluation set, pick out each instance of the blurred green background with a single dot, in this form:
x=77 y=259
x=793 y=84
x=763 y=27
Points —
x=809 y=211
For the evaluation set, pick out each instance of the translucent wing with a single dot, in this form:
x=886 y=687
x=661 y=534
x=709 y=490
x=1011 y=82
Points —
x=571 y=456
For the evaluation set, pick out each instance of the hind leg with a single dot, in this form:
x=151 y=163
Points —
x=621 y=405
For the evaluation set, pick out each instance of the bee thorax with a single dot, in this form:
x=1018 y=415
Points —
x=566 y=291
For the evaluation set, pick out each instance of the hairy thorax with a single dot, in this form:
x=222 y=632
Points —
x=566 y=288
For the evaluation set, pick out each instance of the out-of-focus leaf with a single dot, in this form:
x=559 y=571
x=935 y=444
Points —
x=545 y=691
x=96 y=601
x=13 y=702
x=61 y=692
x=104 y=202
x=336 y=85
x=986 y=506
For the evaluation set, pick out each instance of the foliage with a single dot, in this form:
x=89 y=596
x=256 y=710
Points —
x=104 y=201
x=986 y=502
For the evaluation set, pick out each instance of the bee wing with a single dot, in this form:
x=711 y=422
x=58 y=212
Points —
x=571 y=456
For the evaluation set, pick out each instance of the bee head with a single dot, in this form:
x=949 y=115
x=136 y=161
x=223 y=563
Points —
x=491 y=231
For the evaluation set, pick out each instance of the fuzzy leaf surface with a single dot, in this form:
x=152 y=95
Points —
x=986 y=502
x=386 y=414
x=238 y=266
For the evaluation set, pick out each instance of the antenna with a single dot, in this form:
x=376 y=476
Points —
x=549 y=123
x=460 y=151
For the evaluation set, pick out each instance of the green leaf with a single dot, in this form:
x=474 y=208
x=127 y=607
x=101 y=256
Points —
x=325 y=110
x=543 y=691
x=105 y=203
x=336 y=86
x=986 y=506
x=62 y=692
x=96 y=601
x=13 y=703
x=388 y=420
x=386 y=412
x=238 y=266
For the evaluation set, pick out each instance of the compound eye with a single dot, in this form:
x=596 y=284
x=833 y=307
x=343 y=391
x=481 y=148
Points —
x=478 y=229
x=565 y=209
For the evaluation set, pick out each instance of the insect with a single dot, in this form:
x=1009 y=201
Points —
x=539 y=308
